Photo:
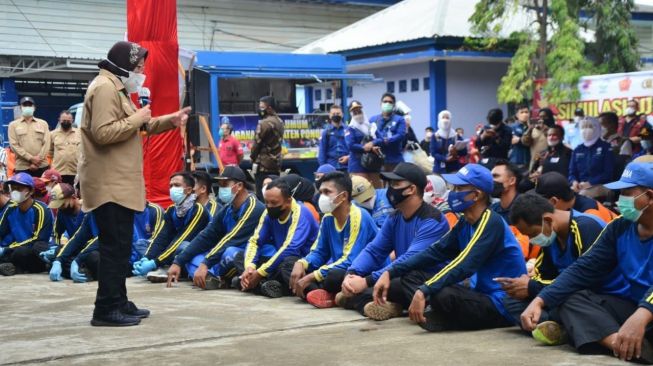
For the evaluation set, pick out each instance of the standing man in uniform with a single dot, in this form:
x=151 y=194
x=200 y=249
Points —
x=266 y=151
x=111 y=172
x=29 y=138
x=64 y=148
x=333 y=147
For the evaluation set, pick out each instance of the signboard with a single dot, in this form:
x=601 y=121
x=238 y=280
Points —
x=605 y=93
x=301 y=136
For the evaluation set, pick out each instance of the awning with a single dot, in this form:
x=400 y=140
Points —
x=318 y=76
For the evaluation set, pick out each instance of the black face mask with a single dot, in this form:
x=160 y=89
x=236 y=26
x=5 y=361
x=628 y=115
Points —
x=275 y=212
x=262 y=113
x=395 y=196
x=497 y=190
x=66 y=125
x=336 y=118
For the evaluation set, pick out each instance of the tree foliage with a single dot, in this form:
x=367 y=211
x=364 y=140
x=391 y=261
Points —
x=552 y=48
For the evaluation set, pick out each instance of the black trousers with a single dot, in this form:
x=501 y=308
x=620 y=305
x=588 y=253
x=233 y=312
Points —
x=259 y=178
x=332 y=282
x=116 y=226
x=589 y=317
x=239 y=264
x=68 y=179
x=26 y=258
x=401 y=291
x=466 y=309
x=516 y=308
x=34 y=173
x=92 y=264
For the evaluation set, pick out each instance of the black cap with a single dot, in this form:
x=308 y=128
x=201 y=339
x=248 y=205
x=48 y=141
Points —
x=232 y=172
x=24 y=100
x=554 y=184
x=409 y=172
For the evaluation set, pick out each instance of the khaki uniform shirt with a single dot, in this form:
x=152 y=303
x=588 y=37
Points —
x=111 y=164
x=29 y=139
x=65 y=150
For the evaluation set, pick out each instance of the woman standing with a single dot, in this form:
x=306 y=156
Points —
x=357 y=136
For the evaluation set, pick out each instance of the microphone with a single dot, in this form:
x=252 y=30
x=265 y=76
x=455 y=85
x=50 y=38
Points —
x=144 y=99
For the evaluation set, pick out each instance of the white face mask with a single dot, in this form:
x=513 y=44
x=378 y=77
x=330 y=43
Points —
x=444 y=124
x=429 y=135
x=587 y=134
x=630 y=111
x=428 y=197
x=360 y=119
x=604 y=131
x=327 y=204
x=133 y=83
x=27 y=111
x=369 y=204
x=18 y=197
x=576 y=119
x=552 y=142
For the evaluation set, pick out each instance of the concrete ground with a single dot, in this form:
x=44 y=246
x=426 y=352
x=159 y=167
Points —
x=47 y=323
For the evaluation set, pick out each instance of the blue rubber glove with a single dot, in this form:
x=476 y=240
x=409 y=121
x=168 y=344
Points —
x=48 y=255
x=143 y=267
x=55 y=271
x=74 y=273
x=2 y=250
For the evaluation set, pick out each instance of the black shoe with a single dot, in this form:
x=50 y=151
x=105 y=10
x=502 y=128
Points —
x=216 y=283
x=7 y=269
x=235 y=283
x=434 y=321
x=115 y=318
x=271 y=289
x=130 y=309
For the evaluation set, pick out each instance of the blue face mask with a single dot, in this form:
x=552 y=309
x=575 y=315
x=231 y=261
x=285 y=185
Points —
x=456 y=201
x=177 y=195
x=225 y=195
x=544 y=241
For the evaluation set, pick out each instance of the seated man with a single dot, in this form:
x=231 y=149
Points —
x=480 y=248
x=554 y=187
x=203 y=192
x=70 y=261
x=409 y=230
x=595 y=321
x=147 y=224
x=29 y=224
x=284 y=234
x=183 y=220
x=208 y=259
x=69 y=216
x=374 y=201
x=344 y=231
x=563 y=236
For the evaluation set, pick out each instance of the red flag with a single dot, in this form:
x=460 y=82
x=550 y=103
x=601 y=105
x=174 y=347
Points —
x=153 y=25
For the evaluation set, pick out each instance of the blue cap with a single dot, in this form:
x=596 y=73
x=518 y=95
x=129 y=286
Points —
x=472 y=174
x=636 y=174
x=325 y=169
x=23 y=179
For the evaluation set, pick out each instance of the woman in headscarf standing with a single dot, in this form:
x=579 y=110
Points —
x=111 y=172
x=359 y=132
x=443 y=146
x=592 y=162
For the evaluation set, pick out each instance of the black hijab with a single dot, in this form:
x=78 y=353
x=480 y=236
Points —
x=301 y=188
x=123 y=55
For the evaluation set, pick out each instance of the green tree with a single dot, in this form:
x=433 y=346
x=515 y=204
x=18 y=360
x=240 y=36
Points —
x=552 y=48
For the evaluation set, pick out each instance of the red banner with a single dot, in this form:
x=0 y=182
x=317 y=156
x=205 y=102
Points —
x=153 y=25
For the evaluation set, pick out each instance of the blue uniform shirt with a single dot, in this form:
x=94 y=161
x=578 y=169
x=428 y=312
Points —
x=332 y=146
x=520 y=154
x=84 y=241
x=440 y=149
x=26 y=228
x=67 y=223
x=594 y=164
x=354 y=139
x=148 y=222
x=390 y=136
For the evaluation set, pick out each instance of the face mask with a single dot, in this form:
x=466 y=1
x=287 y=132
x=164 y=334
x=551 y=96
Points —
x=552 y=141
x=387 y=107
x=497 y=190
x=327 y=204
x=444 y=124
x=27 y=111
x=263 y=190
x=646 y=145
x=576 y=119
x=221 y=134
x=428 y=197
x=395 y=196
x=369 y=204
x=262 y=113
x=429 y=135
x=625 y=204
x=360 y=119
x=177 y=195
x=544 y=241
x=18 y=196
x=134 y=82
x=225 y=195
x=275 y=212
x=66 y=125
x=336 y=118
x=630 y=111
x=587 y=134
x=456 y=201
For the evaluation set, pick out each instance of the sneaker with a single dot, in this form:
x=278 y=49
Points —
x=115 y=318
x=7 y=269
x=130 y=309
x=434 y=321
x=341 y=300
x=271 y=288
x=550 y=333
x=321 y=299
x=235 y=283
x=382 y=312
x=158 y=276
x=216 y=283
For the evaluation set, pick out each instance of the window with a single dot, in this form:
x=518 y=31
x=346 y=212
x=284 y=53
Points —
x=318 y=94
x=414 y=84
x=350 y=92
x=329 y=94
x=427 y=82
x=403 y=86
x=390 y=87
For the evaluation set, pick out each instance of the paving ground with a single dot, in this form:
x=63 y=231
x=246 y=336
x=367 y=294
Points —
x=46 y=323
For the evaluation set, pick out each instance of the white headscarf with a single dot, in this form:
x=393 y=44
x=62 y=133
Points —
x=361 y=123
x=590 y=131
x=444 y=125
x=436 y=190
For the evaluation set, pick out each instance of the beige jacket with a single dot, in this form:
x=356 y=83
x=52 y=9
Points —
x=65 y=150
x=111 y=163
x=29 y=139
